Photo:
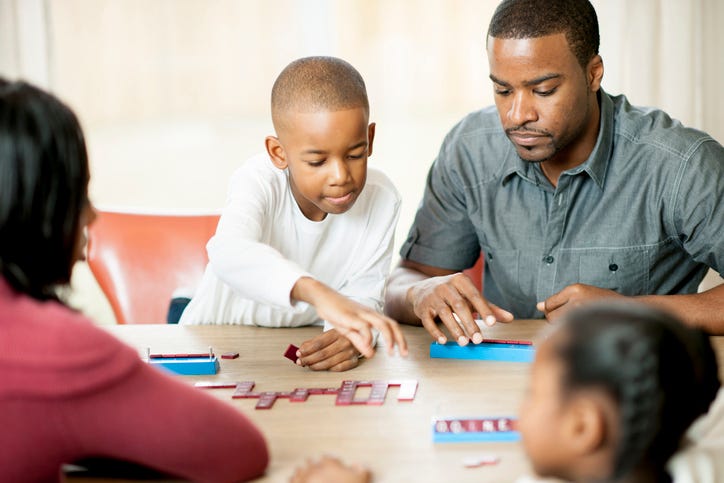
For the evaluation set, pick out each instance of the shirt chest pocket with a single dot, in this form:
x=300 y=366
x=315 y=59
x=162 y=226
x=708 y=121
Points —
x=509 y=281
x=624 y=270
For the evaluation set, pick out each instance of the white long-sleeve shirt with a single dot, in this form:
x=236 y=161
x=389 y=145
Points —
x=264 y=244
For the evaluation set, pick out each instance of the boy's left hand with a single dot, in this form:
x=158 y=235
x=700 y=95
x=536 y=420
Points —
x=329 y=351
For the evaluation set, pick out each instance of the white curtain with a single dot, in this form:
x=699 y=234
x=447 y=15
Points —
x=667 y=53
x=24 y=40
x=101 y=53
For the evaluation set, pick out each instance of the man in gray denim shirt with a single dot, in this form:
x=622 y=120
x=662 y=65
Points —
x=570 y=193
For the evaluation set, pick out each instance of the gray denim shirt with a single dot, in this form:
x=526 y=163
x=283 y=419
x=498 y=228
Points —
x=644 y=214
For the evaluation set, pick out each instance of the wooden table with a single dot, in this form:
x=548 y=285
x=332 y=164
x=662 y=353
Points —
x=394 y=439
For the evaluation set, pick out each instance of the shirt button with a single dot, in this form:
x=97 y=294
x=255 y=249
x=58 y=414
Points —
x=613 y=267
x=549 y=259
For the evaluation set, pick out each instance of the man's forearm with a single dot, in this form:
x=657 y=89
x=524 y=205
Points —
x=705 y=309
x=397 y=305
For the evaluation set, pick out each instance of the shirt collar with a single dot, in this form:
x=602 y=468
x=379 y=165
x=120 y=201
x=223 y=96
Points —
x=596 y=164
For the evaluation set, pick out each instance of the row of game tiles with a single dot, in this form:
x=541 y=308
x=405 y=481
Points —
x=346 y=393
x=443 y=429
x=490 y=350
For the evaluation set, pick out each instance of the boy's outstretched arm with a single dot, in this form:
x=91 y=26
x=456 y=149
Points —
x=351 y=319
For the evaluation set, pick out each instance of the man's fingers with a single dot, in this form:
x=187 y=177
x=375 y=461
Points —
x=447 y=297
x=428 y=322
x=501 y=315
x=553 y=302
x=446 y=316
x=452 y=299
x=464 y=317
x=461 y=296
x=485 y=309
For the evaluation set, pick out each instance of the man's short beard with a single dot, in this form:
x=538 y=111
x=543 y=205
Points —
x=519 y=129
x=538 y=161
x=555 y=152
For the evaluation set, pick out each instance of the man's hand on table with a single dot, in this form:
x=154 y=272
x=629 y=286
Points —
x=452 y=299
x=570 y=297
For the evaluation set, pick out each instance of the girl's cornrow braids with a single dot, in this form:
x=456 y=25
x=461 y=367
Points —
x=640 y=402
x=661 y=374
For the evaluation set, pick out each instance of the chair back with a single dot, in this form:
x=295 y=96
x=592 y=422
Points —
x=476 y=273
x=141 y=259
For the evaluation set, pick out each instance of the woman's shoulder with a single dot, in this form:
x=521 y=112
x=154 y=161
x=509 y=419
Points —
x=48 y=349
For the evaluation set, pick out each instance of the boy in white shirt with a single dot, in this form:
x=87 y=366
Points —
x=307 y=231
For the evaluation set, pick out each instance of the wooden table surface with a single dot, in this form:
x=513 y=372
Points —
x=394 y=439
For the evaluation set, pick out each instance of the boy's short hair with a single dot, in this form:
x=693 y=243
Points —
x=529 y=19
x=312 y=84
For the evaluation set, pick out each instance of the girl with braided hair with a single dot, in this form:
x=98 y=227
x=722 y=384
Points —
x=612 y=392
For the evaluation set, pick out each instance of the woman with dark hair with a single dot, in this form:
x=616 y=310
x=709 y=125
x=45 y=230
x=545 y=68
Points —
x=68 y=390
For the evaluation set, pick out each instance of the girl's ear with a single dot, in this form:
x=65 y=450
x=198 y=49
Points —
x=586 y=424
x=276 y=152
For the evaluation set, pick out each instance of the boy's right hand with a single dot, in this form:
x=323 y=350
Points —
x=351 y=319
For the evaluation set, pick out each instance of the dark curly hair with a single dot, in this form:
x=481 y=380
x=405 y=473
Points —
x=521 y=19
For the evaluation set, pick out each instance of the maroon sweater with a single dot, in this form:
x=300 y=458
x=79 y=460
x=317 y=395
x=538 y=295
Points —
x=69 y=390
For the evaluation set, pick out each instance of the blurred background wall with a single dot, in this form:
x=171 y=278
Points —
x=173 y=94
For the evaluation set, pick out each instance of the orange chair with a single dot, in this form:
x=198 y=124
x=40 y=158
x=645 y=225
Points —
x=139 y=260
x=476 y=273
